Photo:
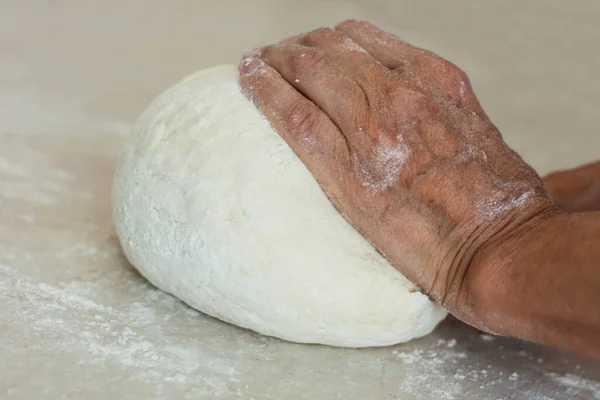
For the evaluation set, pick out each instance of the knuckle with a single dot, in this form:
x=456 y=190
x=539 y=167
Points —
x=268 y=51
x=450 y=72
x=450 y=80
x=421 y=100
x=409 y=99
x=317 y=36
x=348 y=23
x=461 y=76
x=313 y=60
x=303 y=120
x=422 y=107
x=395 y=94
x=354 y=27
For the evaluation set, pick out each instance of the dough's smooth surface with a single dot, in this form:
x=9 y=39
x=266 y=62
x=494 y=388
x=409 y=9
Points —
x=212 y=206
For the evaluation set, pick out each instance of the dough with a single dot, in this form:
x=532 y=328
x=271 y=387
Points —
x=211 y=205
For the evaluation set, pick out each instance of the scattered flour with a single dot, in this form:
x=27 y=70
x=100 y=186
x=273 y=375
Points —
x=351 y=45
x=139 y=338
x=486 y=337
x=77 y=316
x=66 y=319
x=448 y=371
x=384 y=170
x=575 y=384
x=494 y=206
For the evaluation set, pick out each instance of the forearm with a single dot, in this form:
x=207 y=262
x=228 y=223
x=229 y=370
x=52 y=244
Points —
x=543 y=284
x=576 y=190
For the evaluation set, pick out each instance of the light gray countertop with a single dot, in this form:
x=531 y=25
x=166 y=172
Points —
x=76 y=321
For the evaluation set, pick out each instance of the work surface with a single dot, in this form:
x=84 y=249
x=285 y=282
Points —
x=76 y=321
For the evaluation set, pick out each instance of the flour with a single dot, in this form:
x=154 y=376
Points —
x=516 y=202
x=487 y=338
x=73 y=322
x=20 y=184
x=24 y=192
x=12 y=169
x=455 y=370
x=351 y=45
x=384 y=171
x=575 y=384
x=148 y=336
x=497 y=203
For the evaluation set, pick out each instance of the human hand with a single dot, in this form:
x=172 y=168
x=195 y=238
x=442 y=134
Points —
x=576 y=190
x=399 y=142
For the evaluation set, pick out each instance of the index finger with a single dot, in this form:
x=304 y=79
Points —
x=301 y=123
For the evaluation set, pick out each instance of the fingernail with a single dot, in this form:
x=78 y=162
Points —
x=250 y=65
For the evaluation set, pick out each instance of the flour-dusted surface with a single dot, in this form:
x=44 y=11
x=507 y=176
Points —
x=212 y=206
x=76 y=321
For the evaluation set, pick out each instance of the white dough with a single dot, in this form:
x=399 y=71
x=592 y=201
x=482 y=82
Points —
x=211 y=205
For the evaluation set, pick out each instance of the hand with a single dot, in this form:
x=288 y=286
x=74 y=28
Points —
x=576 y=190
x=399 y=142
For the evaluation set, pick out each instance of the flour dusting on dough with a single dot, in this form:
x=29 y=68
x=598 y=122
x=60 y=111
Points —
x=204 y=166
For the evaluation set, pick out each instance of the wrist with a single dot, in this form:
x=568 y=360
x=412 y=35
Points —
x=498 y=279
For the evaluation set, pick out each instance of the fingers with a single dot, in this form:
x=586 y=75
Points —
x=321 y=79
x=388 y=49
x=342 y=80
x=576 y=190
x=305 y=127
x=419 y=68
x=340 y=47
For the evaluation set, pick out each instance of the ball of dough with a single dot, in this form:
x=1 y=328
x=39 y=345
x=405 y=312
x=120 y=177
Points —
x=212 y=206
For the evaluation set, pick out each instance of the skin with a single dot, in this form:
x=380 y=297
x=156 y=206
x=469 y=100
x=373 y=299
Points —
x=576 y=190
x=397 y=139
